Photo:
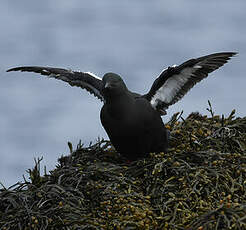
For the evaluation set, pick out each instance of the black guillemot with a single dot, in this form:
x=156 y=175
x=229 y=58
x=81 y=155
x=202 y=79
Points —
x=133 y=121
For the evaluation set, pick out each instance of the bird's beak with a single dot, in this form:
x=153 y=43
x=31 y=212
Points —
x=106 y=88
x=108 y=85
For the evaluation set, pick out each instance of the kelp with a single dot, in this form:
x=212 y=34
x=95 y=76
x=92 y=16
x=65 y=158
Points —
x=199 y=184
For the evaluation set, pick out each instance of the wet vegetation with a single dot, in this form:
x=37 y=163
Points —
x=199 y=184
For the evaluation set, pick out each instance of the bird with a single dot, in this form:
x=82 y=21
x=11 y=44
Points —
x=133 y=121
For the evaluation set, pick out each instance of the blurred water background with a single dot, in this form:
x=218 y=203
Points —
x=136 y=39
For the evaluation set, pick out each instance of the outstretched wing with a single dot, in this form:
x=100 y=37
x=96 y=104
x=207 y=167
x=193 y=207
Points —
x=174 y=82
x=85 y=80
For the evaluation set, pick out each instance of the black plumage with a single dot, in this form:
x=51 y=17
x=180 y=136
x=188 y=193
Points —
x=133 y=121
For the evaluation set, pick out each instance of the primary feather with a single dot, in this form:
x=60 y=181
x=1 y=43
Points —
x=85 y=80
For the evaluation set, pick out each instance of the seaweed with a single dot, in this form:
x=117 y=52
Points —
x=199 y=184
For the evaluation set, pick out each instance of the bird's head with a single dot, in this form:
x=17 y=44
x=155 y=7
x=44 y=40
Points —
x=113 y=85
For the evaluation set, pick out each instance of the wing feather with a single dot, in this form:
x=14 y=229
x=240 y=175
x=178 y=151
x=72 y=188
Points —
x=174 y=82
x=85 y=80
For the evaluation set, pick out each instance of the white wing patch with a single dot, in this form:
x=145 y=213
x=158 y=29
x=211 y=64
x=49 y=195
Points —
x=80 y=83
x=45 y=71
x=171 y=87
x=94 y=75
x=87 y=86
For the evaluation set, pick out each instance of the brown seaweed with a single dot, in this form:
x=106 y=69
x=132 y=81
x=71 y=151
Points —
x=199 y=184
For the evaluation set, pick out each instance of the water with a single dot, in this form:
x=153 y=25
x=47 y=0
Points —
x=135 y=39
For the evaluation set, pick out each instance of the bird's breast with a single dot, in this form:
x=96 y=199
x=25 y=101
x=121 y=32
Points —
x=117 y=120
x=130 y=119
